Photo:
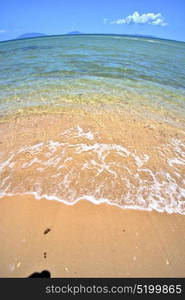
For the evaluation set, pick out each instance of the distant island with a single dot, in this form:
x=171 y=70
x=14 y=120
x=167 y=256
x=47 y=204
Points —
x=30 y=35
x=145 y=35
x=74 y=32
x=119 y=34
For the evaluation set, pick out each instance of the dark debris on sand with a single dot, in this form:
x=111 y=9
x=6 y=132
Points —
x=47 y=230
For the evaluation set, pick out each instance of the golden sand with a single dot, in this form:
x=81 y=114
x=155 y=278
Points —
x=87 y=240
x=115 y=155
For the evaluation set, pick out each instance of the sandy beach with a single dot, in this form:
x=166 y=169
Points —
x=88 y=240
x=92 y=141
x=100 y=157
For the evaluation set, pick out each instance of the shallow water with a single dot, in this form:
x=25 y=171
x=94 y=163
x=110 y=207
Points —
x=92 y=69
x=94 y=117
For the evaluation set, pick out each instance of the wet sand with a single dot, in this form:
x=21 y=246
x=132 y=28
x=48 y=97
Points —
x=87 y=240
x=113 y=155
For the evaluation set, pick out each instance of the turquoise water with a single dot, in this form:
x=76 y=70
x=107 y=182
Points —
x=61 y=70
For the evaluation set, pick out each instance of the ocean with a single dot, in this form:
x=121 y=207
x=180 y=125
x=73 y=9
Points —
x=94 y=117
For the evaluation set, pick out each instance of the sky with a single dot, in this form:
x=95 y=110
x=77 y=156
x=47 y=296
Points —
x=161 y=18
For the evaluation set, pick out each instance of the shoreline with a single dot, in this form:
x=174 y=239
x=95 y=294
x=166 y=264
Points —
x=60 y=155
x=87 y=240
x=92 y=201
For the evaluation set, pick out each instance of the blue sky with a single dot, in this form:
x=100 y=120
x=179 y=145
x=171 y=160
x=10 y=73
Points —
x=162 y=18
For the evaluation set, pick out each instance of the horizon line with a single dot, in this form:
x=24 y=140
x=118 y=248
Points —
x=139 y=35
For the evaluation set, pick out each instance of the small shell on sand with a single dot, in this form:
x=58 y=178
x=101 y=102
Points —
x=167 y=262
x=18 y=264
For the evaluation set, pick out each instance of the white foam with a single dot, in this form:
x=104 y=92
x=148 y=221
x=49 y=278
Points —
x=78 y=132
x=11 y=165
x=150 y=41
x=159 y=190
x=81 y=133
x=4 y=181
x=97 y=202
x=37 y=146
x=30 y=163
x=6 y=162
x=177 y=161
x=140 y=160
x=53 y=145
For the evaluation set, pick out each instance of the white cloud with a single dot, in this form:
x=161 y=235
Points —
x=2 y=30
x=105 y=20
x=136 y=18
